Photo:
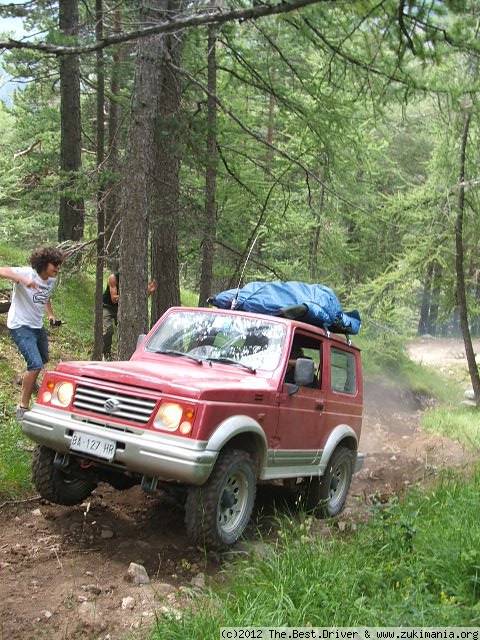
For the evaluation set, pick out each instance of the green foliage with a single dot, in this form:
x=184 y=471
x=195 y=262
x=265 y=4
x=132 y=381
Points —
x=14 y=459
x=462 y=424
x=414 y=564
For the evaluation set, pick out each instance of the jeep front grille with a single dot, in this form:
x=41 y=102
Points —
x=129 y=407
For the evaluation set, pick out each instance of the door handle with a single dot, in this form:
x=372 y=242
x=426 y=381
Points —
x=319 y=405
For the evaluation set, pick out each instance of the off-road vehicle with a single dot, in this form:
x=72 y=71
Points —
x=212 y=402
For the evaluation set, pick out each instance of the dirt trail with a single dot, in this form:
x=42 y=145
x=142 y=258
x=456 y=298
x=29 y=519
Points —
x=62 y=570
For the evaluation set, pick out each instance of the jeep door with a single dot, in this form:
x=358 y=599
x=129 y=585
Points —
x=300 y=429
x=343 y=378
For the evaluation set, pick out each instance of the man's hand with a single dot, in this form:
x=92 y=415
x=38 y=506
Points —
x=151 y=287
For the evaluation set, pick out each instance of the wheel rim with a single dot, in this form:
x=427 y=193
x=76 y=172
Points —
x=338 y=485
x=233 y=502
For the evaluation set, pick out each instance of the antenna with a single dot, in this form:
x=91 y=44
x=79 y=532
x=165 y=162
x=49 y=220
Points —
x=234 y=301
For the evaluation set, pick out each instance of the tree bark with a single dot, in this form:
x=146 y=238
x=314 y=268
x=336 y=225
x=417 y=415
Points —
x=112 y=231
x=71 y=211
x=426 y=297
x=210 y=220
x=98 y=324
x=459 y=266
x=165 y=179
x=432 y=325
x=136 y=196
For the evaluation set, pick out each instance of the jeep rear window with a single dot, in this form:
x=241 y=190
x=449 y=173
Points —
x=342 y=371
x=252 y=341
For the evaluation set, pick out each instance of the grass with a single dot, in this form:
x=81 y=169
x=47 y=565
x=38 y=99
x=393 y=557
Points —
x=460 y=423
x=14 y=459
x=414 y=564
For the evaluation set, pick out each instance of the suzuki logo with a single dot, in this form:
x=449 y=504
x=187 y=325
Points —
x=112 y=405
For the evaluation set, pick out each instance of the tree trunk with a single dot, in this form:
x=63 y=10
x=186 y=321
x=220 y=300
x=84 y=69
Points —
x=112 y=231
x=137 y=188
x=210 y=220
x=165 y=181
x=426 y=297
x=98 y=324
x=459 y=267
x=432 y=327
x=71 y=212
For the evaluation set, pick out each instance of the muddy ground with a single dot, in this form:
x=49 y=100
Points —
x=62 y=570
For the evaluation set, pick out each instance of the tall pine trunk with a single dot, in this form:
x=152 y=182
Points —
x=137 y=188
x=459 y=266
x=210 y=219
x=71 y=211
x=165 y=179
x=425 y=305
x=112 y=231
x=98 y=332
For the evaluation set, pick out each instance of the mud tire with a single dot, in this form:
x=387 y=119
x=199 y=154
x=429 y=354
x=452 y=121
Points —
x=211 y=518
x=334 y=485
x=56 y=485
x=325 y=496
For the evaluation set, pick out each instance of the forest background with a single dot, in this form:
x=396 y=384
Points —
x=337 y=142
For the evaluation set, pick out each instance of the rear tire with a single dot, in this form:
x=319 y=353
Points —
x=335 y=482
x=217 y=513
x=326 y=496
x=57 y=485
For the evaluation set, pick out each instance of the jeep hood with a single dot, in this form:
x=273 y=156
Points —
x=170 y=376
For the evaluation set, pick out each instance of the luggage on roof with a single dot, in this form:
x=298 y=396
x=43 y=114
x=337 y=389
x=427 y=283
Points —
x=311 y=303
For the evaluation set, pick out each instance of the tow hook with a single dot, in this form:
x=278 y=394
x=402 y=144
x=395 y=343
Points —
x=86 y=464
x=149 y=484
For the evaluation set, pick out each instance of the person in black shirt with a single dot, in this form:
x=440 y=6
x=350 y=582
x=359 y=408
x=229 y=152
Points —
x=111 y=296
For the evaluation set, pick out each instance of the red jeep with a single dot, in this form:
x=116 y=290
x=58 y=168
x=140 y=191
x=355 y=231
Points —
x=212 y=401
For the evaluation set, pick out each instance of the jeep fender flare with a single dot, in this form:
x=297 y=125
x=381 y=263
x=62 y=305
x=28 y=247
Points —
x=341 y=433
x=233 y=430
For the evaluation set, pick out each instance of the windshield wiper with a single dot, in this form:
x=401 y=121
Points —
x=171 y=352
x=237 y=363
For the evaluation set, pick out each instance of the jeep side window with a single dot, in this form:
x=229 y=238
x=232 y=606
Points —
x=305 y=347
x=342 y=371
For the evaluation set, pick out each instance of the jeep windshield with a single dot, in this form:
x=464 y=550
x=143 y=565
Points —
x=217 y=337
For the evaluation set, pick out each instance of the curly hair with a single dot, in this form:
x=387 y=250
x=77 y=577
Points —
x=43 y=256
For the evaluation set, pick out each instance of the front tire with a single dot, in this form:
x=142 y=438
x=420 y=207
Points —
x=57 y=485
x=217 y=513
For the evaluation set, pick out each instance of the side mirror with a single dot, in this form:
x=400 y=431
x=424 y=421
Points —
x=304 y=372
x=140 y=339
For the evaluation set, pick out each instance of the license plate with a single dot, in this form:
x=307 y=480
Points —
x=93 y=445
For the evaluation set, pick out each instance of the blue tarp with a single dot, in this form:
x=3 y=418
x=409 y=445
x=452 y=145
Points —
x=322 y=307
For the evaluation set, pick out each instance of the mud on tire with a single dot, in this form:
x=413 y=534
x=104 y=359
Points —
x=217 y=513
x=56 y=485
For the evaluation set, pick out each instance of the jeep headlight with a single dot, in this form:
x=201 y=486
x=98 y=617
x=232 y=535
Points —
x=172 y=415
x=62 y=394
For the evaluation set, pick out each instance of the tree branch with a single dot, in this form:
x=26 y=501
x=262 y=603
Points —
x=205 y=18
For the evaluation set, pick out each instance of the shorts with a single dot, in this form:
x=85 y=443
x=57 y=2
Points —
x=33 y=345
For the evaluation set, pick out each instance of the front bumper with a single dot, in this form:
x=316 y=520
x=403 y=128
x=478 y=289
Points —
x=164 y=457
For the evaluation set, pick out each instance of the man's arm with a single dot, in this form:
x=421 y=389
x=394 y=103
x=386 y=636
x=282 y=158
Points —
x=113 y=287
x=11 y=274
x=49 y=310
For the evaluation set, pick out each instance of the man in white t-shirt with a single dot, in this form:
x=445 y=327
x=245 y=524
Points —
x=31 y=298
